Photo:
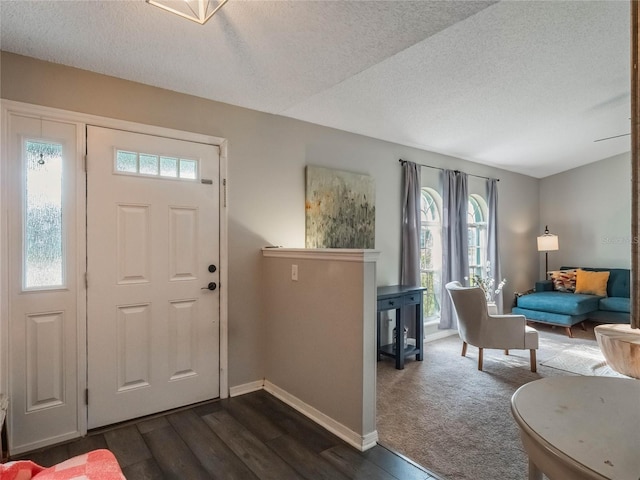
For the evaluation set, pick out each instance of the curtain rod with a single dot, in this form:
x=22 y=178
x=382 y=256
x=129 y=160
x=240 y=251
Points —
x=457 y=171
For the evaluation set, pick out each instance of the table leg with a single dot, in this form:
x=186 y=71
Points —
x=534 y=472
x=399 y=340
x=419 y=331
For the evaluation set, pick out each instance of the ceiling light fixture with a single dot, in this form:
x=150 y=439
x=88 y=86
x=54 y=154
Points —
x=198 y=11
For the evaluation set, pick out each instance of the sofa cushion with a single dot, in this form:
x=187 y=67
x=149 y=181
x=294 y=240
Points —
x=619 y=284
x=559 y=302
x=592 y=283
x=615 y=304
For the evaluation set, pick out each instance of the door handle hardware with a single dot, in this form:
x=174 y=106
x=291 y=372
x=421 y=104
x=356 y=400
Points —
x=212 y=268
x=210 y=286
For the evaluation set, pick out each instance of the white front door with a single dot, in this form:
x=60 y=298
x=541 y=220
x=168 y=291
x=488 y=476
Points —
x=153 y=266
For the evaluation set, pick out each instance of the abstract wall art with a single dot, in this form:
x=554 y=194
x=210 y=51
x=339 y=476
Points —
x=340 y=209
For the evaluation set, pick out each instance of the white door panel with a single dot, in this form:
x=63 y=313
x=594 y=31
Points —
x=152 y=232
x=42 y=170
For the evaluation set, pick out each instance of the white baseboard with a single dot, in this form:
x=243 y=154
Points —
x=439 y=334
x=47 y=442
x=354 y=439
x=246 y=388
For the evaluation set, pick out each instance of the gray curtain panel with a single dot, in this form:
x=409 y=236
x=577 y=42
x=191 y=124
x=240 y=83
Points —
x=410 y=261
x=492 y=238
x=455 y=240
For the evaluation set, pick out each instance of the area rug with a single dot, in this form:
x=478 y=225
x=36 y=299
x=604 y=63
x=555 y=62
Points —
x=583 y=360
x=456 y=421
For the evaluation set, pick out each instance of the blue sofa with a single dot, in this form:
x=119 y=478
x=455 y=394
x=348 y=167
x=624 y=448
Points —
x=567 y=309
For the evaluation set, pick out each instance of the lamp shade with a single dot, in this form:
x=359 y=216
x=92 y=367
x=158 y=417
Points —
x=547 y=242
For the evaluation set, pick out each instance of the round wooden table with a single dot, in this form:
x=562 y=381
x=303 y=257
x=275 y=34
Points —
x=580 y=428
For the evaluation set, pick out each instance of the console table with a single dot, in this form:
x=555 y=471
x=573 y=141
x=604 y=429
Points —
x=580 y=428
x=397 y=297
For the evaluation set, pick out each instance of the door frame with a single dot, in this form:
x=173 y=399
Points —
x=81 y=120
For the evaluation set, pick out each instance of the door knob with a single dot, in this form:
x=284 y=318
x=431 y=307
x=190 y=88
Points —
x=212 y=268
x=210 y=286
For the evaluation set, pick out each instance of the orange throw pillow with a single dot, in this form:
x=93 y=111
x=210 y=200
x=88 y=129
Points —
x=592 y=283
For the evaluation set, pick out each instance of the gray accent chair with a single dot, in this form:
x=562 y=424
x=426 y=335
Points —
x=476 y=327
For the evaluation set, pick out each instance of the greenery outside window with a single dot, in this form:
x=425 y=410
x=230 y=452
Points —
x=431 y=252
x=477 y=232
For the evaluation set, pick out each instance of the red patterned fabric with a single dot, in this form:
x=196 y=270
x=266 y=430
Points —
x=95 y=465
x=21 y=470
x=563 y=280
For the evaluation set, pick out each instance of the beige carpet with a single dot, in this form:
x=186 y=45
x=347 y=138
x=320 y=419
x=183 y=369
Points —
x=455 y=420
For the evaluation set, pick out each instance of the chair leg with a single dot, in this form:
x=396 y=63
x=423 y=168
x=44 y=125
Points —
x=480 y=359
x=568 y=330
x=532 y=358
x=583 y=326
x=464 y=349
x=506 y=352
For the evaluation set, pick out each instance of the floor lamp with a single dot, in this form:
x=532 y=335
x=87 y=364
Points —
x=547 y=242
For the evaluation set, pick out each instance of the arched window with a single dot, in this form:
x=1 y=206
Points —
x=431 y=251
x=477 y=231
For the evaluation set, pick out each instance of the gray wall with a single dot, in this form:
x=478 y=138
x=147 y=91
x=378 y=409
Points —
x=267 y=155
x=589 y=208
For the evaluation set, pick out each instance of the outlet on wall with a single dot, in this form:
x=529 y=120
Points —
x=294 y=272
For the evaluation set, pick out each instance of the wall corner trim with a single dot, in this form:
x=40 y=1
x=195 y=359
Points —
x=246 y=388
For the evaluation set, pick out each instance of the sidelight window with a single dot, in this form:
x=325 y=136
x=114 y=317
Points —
x=42 y=233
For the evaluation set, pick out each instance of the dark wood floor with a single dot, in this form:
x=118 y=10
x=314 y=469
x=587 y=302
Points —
x=253 y=436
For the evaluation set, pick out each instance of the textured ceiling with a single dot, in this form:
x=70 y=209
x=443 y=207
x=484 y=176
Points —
x=525 y=86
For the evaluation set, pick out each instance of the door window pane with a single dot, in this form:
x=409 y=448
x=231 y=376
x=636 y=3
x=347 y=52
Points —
x=148 y=164
x=188 y=169
x=126 y=162
x=43 y=252
x=168 y=167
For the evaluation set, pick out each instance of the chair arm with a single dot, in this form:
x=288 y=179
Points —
x=504 y=331
x=544 y=286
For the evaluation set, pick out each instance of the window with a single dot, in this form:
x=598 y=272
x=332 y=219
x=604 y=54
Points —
x=431 y=252
x=43 y=247
x=477 y=231
x=134 y=163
